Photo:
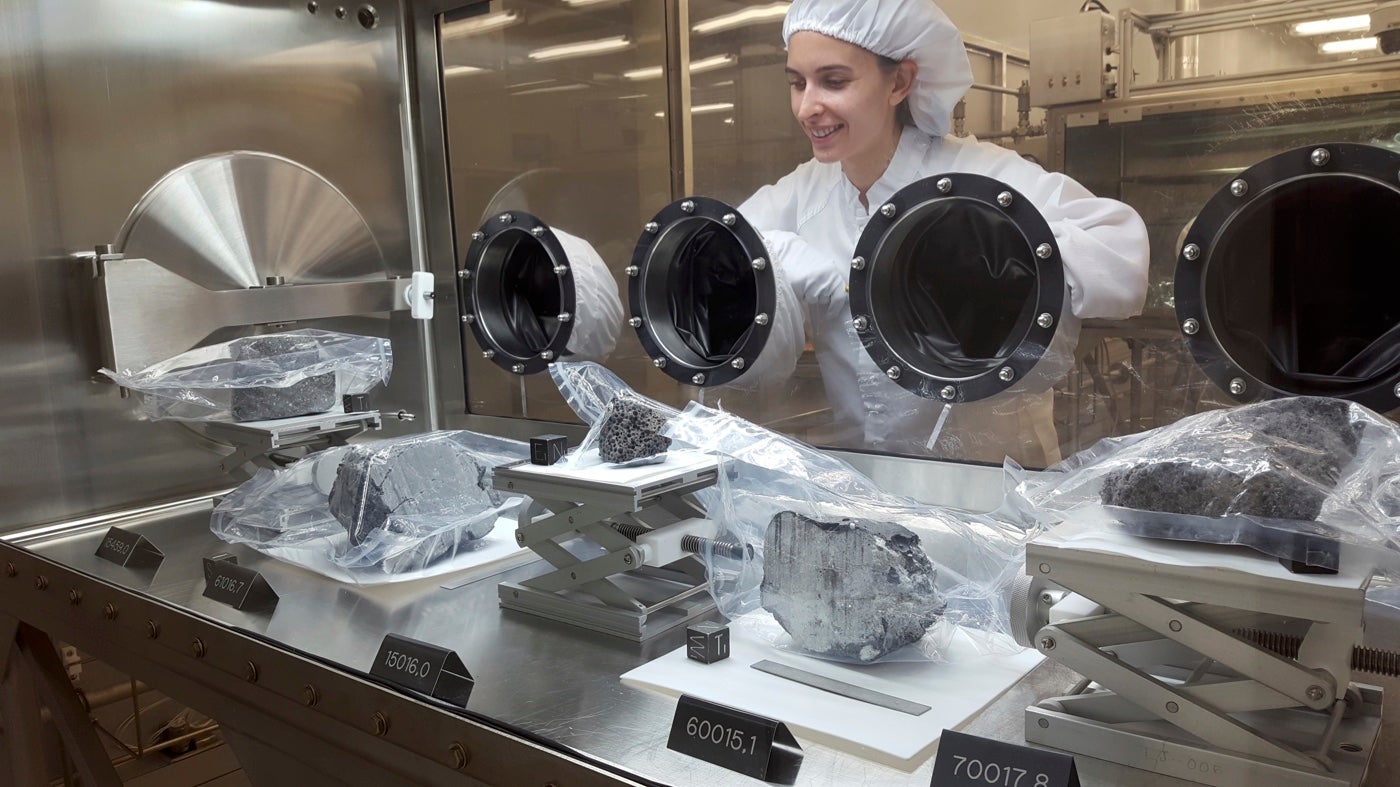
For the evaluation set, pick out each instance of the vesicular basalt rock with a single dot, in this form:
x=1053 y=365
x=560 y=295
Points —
x=429 y=488
x=853 y=590
x=630 y=433
x=315 y=394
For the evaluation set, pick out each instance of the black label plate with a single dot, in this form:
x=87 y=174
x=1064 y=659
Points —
x=736 y=740
x=129 y=550
x=241 y=588
x=970 y=761
x=424 y=668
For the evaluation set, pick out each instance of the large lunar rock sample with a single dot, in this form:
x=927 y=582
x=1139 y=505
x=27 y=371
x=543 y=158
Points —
x=315 y=394
x=630 y=433
x=430 y=487
x=1277 y=459
x=853 y=590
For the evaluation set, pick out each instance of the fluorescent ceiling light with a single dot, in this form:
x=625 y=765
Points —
x=1349 y=45
x=481 y=24
x=554 y=89
x=696 y=67
x=704 y=109
x=755 y=15
x=1341 y=24
x=595 y=47
x=580 y=3
x=456 y=71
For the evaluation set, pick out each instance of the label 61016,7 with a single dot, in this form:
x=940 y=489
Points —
x=718 y=734
x=995 y=773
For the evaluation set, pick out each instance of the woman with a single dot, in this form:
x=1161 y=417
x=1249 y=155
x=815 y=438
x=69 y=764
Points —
x=873 y=83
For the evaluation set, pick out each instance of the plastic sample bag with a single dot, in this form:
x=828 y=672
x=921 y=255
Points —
x=254 y=378
x=375 y=512
x=876 y=563
x=1293 y=478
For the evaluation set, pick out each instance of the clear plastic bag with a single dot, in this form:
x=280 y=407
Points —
x=255 y=378
x=955 y=567
x=1293 y=478
x=377 y=512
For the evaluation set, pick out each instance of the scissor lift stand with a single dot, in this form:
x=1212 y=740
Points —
x=1183 y=687
x=259 y=444
x=636 y=589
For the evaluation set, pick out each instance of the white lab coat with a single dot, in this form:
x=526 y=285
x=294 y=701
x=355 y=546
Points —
x=813 y=218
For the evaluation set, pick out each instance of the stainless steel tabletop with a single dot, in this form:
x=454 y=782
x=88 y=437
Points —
x=550 y=678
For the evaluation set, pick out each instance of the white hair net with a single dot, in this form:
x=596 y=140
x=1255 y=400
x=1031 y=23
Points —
x=914 y=30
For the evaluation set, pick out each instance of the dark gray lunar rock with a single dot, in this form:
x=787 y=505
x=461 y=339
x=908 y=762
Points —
x=630 y=432
x=1278 y=459
x=853 y=590
x=315 y=394
x=411 y=489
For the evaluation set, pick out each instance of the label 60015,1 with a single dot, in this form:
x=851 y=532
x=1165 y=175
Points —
x=720 y=735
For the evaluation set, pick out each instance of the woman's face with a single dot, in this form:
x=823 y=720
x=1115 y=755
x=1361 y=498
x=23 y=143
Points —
x=842 y=98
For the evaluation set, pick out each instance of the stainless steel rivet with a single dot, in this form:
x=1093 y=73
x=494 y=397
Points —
x=1004 y=199
x=478 y=235
x=564 y=317
x=729 y=219
x=945 y=185
x=1045 y=568
x=659 y=363
x=250 y=672
x=761 y=319
x=894 y=372
x=861 y=323
x=738 y=363
x=1047 y=643
x=152 y=630
x=1006 y=374
x=1043 y=723
x=464 y=274
x=1044 y=251
x=1172 y=707
x=197 y=648
x=687 y=207
x=1192 y=252
x=1316 y=693
x=538 y=232
x=635 y=322
x=75 y=596
x=888 y=210
x=506 y=218
x=759 y=264
x=310 y=695
x=1320 y=156
x=652 y=227
x=1045 y=320
x=948 y=393
x=1237 y=386
x=460 y=755
x=41 y=582
x=561 y=270
x=1191 y=327
x=1239 y=188
x=381 y=723
x=1397 y=391
x=547 y=355
x=698 y=379
x=858 y=263
x=10 y=569
x=468 y=318
x=109 y=611
x=488 y=354
x=1174 y=625
x=518 y=368
x=633 y=271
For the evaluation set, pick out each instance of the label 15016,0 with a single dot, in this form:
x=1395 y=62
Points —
x=409 y=665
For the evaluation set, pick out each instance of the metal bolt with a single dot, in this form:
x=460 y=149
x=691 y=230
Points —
x=652 y=227
x=152 y=630
x=75 y=596
x=1239 y=188
x=893 y=372
x=520 y=538
x=729 y=219
x=1004 y=199
x=1172 y=707
x=888 y=210
x=312 y=6
x=1237 y=386
x=858 y=263
x=468 y=318
x=561 y=270
x=381 y=723
x=250 y=672
x=340 y=13
x=1043 y=723
x=1174 y=625
x=1047 y=643
x=506 y=218
x=1045 y=568
x=627 y=558
x=1006 y=374
x=10 y=569
x=517 y=368
x=547 y=355
x=109 y=611
x=687 y=207
x=659 y=363
x=1044 y=251
x=759 y=264
x=1315 y=693
x=197 y=648
x=538 y=232
x=1046 y=598
x=460 y=755
x=738 y=363
x=564 y=317
x=633 y=271
x=1320 y=157
x=861 y=323
x=762 y=319
x=1397 y=396
x=1191 y=327
x=635 y=322
x=309 y=695
x=698 y=379
x=41 y=582
x=478 y=235
x=488 y=354
x=464 y=274
x=1192 y=252
x=948 y=393
x=945 y=185
x=1045 y=320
